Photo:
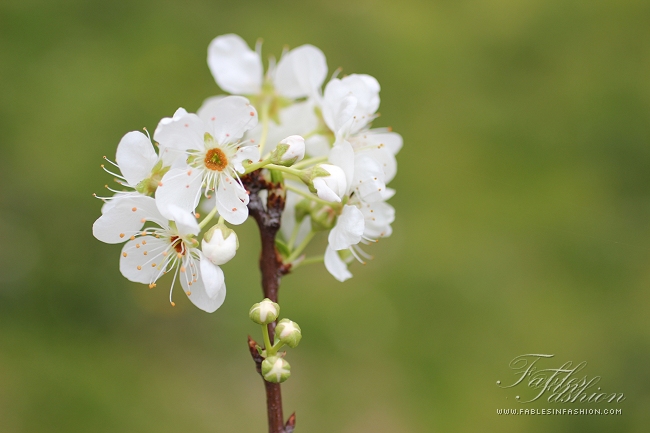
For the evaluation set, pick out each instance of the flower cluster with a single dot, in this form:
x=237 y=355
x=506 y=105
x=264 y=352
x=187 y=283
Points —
x=317 y=141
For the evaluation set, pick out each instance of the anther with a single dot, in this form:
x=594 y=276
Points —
x=132 y=238
x=173 y=304
x=182 y=268
x=188 y=293
x=134 y=209
x=153 y=265
x=144 y=242
x=137 y=245
x=121 y=235
x=124 y=254
x=145 y=253
x=139 y=268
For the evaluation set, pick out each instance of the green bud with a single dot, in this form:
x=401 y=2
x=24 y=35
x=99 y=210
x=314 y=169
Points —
x=323 y=217
x=264 y=312
x=288 y=332
x=275 y=369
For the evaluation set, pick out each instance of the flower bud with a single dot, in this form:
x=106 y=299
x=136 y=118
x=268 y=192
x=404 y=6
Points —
x=327 y=181
x=288 y=332
x=264 y=312
x=220 y=244
x=289 y=151
x=275 y=369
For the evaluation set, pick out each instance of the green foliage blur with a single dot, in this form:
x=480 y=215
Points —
x=523 y=219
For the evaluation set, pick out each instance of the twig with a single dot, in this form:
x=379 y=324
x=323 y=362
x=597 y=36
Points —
x=272 y=268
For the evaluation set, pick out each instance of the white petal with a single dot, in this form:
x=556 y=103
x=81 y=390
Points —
x=126 y=218
x=235 y=67
x=108 y=204
x=348 y=229
x=336 y=266
x=342 y=156
x=245 y=153
x=229 y=118
x=300 y=72
x=181 y=132
x=386 y=161
x=180 y=187
x=135 y=156
x=364 y=88
x=142 y=260
x=207 y=107
x=368 y=179
x=213 y=278
x=378 y=218
x=198 y=291
x=391 y=140
x=338 y=107
x=232 y=200
x=185 y=221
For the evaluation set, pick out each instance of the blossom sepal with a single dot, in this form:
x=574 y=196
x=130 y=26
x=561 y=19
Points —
x=322 y=217
x=275 y=369
x=288 y=332
x=149 y=185
x=264 y=312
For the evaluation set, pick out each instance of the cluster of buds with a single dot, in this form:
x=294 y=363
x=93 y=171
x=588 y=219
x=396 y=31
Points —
x=275 y=367
x=313 y=137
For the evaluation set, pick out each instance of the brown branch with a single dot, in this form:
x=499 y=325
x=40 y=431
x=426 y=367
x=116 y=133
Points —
x=268 y=220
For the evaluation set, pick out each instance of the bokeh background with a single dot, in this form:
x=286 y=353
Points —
x=523 y=219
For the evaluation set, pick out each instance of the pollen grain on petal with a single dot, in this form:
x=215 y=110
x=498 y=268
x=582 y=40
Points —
x=134 y=209
x=122 y=235
x=139 y=268
x=124 y=254
x=188 y=293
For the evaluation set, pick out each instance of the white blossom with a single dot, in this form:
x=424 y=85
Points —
x=215 y=156
x=151 y=252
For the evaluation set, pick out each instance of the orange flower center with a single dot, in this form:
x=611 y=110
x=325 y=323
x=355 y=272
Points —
x=215 y=159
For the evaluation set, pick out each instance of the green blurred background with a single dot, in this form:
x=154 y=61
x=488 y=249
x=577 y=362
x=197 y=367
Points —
x=523 y=219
